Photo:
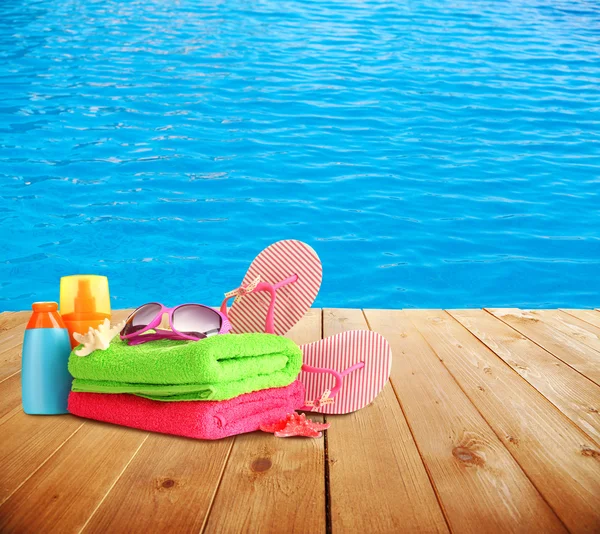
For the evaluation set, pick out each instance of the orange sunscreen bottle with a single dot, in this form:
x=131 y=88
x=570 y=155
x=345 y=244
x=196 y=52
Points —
x=84 y=302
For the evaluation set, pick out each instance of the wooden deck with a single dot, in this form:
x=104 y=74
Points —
x=490 y=423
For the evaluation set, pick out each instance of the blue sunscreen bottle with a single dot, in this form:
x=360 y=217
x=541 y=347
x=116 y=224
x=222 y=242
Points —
x=45 y=378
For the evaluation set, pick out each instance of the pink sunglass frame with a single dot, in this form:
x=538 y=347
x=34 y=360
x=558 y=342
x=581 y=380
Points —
x=174 y=333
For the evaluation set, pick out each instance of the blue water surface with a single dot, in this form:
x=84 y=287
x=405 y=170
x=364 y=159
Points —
x=435 y=153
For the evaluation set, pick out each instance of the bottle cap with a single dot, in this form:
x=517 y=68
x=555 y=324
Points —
x=45 y=315
x=44 y=306
x=84 y=296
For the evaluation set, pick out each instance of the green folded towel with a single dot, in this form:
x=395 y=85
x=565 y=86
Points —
x=217 y=368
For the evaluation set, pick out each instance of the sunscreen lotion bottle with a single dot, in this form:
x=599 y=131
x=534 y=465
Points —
x=45 y=377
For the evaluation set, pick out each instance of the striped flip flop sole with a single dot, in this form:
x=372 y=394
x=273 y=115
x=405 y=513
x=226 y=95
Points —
x=274 y=264
x=339 y=352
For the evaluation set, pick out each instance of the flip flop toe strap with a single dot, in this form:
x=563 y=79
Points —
x=327 y=396
x=242 y=290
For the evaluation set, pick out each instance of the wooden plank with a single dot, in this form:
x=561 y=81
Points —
x=61 y=495
x=561 y=461
x=585 y=332
x=589 y=316
x=12 y=328
x=562 y=345
x=10 y=353
x=10 y=394
x=170 y=484
x=273 y=484
x=378 y=482
x=573 y=394
x=10 y=413
x=10 y=363
x=10 y=320
x=11 y=339
x=466 y=461
x=27 y=442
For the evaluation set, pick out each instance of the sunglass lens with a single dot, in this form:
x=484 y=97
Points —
x=196 y=320
x=141 y=318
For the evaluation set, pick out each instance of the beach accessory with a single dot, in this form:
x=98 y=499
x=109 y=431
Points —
x=45 y=380
x=97 y=338
x=194 y=419
x=217 y=368
x=360 y=362
x=187 y=321
x=84 y=303
x=293 y=425
x=279 y=288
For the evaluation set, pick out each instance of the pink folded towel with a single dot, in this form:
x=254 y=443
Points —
x=194 y=419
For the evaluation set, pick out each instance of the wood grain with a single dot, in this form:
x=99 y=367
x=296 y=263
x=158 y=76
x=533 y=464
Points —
x=61 y=495
x=10 y=359
x=573 y=394
x=10 y=320
x=170 y=484
x=564 y=346
x=589 y=316
x=378 y=482
x=561 y=461
x=11 y=339
x=27 y=442
x=10 y=394
x=9 y=414
x=273 y=483
x=583 y=331
x=466 y=461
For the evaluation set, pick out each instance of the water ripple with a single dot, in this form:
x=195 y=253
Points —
x=440 y=153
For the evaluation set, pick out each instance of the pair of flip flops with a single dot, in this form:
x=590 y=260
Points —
x=341 y=373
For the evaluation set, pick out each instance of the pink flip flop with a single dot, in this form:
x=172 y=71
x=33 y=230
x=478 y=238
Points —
x=345 y=372
x=278 y=289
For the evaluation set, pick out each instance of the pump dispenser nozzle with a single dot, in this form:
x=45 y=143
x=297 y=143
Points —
x=84 y=302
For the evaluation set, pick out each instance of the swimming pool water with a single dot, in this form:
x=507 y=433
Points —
x=434 y=153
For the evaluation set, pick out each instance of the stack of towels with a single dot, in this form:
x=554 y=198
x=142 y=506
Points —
x=208 y=389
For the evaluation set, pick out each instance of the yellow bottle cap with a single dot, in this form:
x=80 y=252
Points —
x=84 y=295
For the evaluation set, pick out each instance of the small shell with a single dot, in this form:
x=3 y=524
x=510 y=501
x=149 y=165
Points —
x=97 y=339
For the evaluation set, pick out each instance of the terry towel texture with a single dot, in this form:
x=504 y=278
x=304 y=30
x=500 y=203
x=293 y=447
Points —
x=217 y=368
x=194 y=419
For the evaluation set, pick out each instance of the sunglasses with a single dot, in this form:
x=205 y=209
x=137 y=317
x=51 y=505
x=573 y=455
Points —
x=187 y=321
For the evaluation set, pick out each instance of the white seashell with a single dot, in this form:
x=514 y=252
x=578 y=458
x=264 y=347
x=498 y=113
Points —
x=97 y=339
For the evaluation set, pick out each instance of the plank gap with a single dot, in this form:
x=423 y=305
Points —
x=328 y=525
x=218 y=486
x=326 y=469
x=113 y=484
x=567 y=381
x=523 y=457
x=427 y=471
x=451 y=513
x=562 y=415
x=583 y=315
x=5 y=378
x=524 y=334
x=417 y=446
x=46 y=460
